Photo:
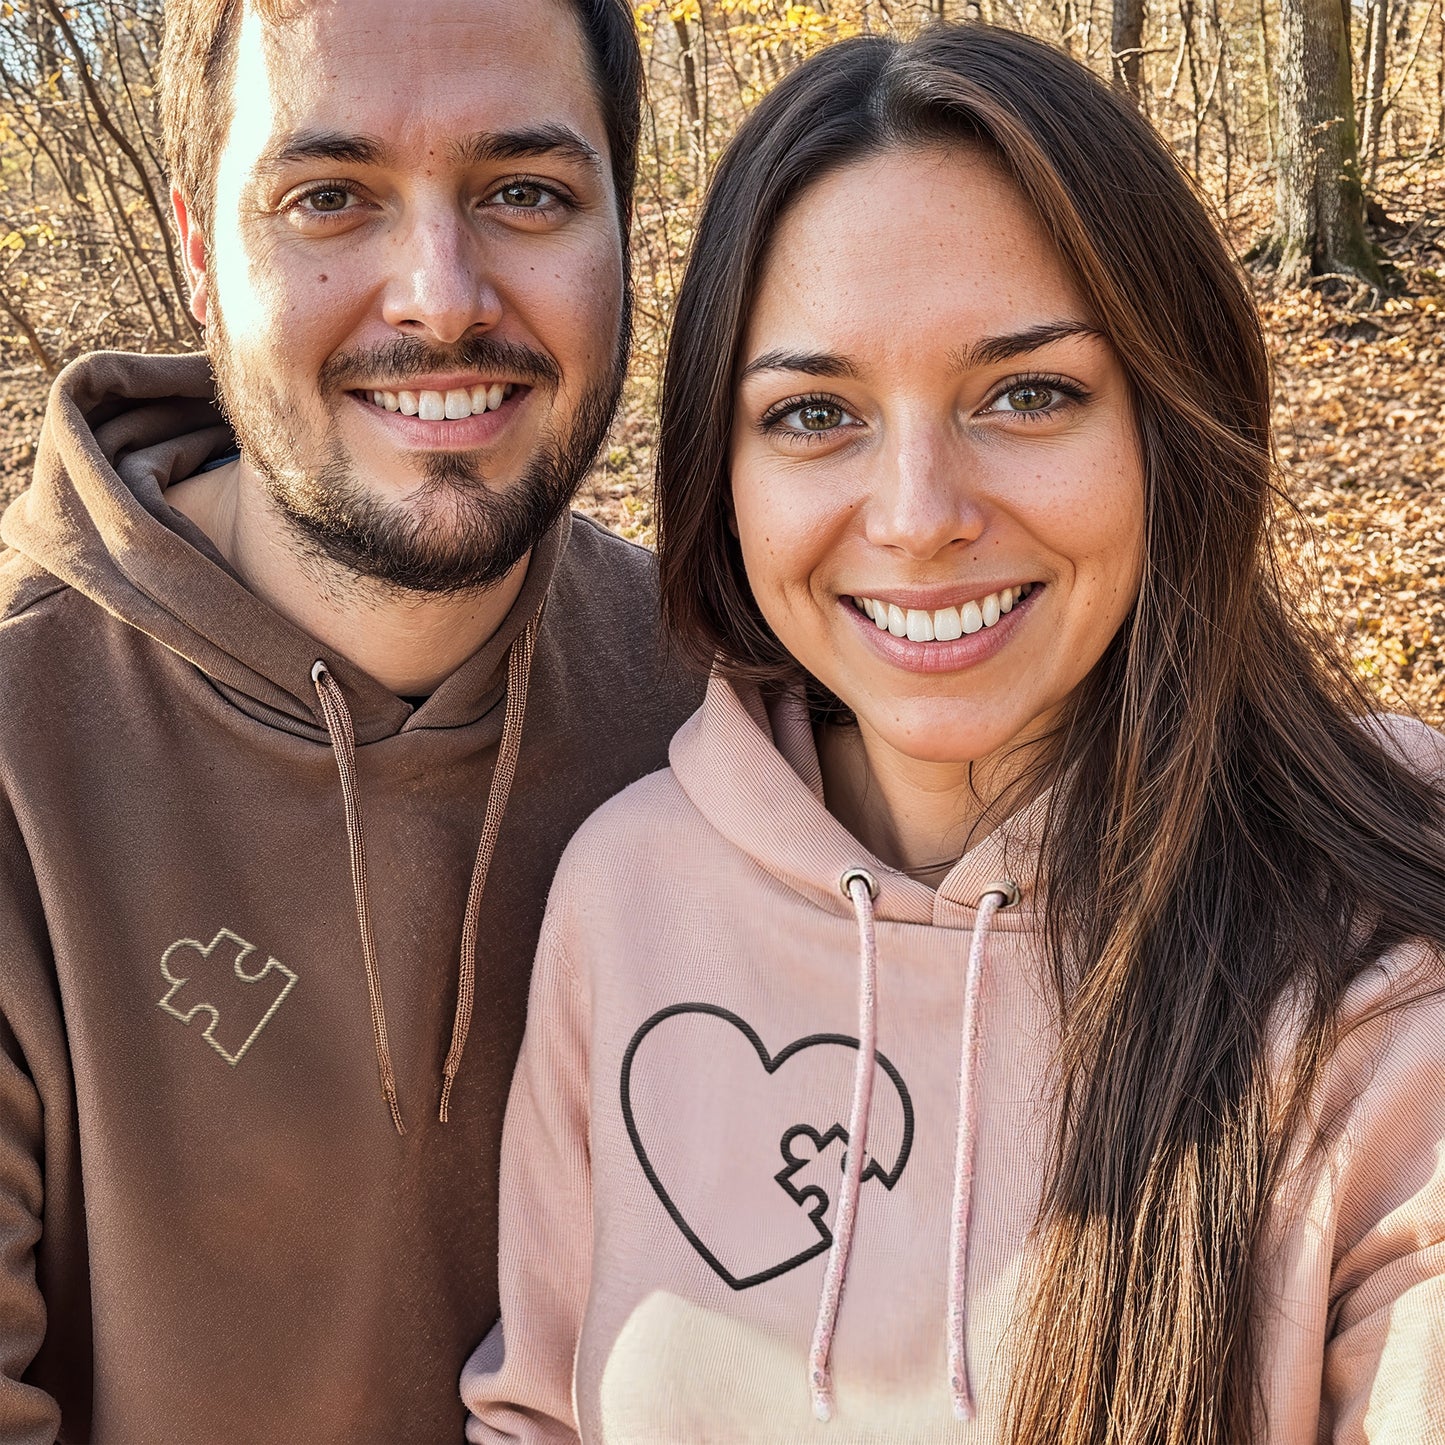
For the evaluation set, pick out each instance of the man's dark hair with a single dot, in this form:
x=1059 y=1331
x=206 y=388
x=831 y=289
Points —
x=198 y=60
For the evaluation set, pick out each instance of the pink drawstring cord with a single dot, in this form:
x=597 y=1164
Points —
x=998 y=896
x=861 y=888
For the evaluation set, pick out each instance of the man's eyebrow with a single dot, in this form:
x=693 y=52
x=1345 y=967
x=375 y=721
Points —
x=990 y=350
x=813 y=363
x=323 y=145
x=476 y=149
x=514 y=145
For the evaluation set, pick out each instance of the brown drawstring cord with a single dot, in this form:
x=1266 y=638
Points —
x=343 y=744
x=519 y=669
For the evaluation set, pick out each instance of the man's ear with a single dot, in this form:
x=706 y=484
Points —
x=193 y=253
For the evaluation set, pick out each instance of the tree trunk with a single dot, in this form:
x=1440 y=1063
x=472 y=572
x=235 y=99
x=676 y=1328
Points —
x=1126 y=43
x=689 y=74
x=1375 y=57
x=1319 y=203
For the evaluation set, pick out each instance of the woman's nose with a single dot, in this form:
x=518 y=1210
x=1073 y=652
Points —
x=442 y=283
x=922 y=501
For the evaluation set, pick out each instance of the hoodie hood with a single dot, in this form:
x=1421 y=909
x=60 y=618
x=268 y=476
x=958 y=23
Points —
x=118 y=430
x=751 y=768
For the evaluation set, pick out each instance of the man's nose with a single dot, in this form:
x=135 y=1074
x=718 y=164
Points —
x=443 y=282
x=923 y=498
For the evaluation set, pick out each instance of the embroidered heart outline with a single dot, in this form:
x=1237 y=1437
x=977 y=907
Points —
x=820 y=1199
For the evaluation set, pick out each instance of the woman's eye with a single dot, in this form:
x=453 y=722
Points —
x=1043 y=396
x=808 y=418
x=819 y=416
x=1029 y=397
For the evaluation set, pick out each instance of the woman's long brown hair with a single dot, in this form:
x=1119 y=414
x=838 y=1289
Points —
x=1230 y=843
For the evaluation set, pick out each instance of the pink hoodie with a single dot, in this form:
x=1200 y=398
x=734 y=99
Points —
x=676 y=1197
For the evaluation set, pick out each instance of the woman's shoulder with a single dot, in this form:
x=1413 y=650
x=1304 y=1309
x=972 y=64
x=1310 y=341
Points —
x=635 y=840
x=633 y=817
x=1419 y=746
x=1388 y=1059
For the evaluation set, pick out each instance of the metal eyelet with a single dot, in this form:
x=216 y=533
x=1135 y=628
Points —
x=1007 y=889
x=869 y=882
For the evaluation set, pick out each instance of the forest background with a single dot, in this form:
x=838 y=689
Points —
x=1315 y=128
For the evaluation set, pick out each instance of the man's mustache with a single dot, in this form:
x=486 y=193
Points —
x=407 y=356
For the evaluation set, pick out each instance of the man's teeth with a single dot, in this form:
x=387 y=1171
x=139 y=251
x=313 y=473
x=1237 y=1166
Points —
x=947 y=623
x=444 y=405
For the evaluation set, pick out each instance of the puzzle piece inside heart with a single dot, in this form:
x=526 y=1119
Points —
x=712 y=1115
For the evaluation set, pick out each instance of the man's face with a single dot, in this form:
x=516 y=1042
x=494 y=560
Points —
x=414 y=283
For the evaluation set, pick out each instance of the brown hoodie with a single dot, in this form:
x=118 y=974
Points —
x=210 y=1229
x=673 y=1169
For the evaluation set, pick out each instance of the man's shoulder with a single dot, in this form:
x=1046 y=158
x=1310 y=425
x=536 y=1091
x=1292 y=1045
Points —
x=24 y=587
x=604 y=563
x=608 y=662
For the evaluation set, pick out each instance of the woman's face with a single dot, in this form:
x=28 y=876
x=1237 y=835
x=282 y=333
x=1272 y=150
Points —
x=936 y=474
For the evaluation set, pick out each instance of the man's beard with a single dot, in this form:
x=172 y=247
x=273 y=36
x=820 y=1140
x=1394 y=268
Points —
x=454 y=533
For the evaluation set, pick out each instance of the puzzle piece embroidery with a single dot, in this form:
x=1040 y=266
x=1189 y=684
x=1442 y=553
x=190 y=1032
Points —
x=212 y=978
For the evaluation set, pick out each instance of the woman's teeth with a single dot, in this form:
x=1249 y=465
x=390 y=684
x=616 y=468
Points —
x=947 y=623
x=443 y=405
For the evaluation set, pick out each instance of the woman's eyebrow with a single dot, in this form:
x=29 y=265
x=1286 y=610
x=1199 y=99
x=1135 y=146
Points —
x=814 y=363
x=990 y=350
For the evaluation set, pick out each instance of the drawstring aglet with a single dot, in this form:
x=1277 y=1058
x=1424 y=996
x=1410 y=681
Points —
x=962 y=1400
x=822 y=1396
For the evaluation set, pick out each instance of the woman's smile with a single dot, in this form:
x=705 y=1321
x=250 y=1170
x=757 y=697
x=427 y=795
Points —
x=913 y=633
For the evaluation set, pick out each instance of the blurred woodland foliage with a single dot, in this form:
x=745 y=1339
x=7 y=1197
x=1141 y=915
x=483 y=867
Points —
x=1315 y=127
x=87 y=257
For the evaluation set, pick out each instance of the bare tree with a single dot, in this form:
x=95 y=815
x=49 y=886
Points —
x=1127 y=43
x=1319 y=224
x=1376 y=52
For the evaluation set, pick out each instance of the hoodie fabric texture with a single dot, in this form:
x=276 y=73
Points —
x=222 y=850
x=673 y=1262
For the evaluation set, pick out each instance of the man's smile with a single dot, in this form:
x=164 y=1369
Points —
x=458 y=417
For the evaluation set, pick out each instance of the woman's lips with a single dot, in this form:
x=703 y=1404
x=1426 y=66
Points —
x=951 y=654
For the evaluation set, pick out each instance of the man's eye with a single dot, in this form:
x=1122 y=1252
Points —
x=525 y=196
x=328 y=201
